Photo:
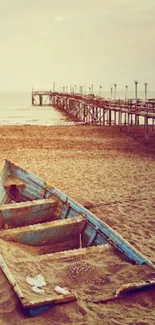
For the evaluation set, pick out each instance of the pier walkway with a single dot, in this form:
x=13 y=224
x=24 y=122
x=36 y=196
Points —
x=90 y=109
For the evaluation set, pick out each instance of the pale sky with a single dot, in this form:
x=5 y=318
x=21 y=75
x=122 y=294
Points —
x=76 y=42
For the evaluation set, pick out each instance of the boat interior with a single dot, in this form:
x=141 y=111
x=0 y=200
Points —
x=30 y=209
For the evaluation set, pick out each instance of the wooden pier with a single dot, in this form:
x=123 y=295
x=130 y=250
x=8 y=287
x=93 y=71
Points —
x=128 y=114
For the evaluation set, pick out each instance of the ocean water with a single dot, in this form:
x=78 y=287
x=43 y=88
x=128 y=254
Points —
x=16 y=109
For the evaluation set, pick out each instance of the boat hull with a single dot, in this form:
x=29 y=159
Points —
x=35 y=214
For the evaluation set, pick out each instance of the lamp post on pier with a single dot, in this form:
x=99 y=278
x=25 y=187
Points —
x=111 y=92
x=81 y=90
x=115 y=86
x=136 y=89
x=100 y=91
x=53 y=86
x=32 y=96
x=145 y=84
x=92 y=89
x=126 y=92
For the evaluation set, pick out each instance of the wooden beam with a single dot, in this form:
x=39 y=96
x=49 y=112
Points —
x=73 y=243
x=27 y=213
x=46 y=233
x=131 y=287
x=146 y=128
x=62 y=255
x=12 y=180
x=126 y=289
x=53 y=299
x=10 y=278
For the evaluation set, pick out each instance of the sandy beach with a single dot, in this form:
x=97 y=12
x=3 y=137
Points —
x=96 y=166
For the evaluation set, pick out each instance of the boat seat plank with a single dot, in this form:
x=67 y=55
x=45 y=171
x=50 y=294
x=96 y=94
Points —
x=27 y=213
x=12 y=180
x=71 y=244
x=46 y=233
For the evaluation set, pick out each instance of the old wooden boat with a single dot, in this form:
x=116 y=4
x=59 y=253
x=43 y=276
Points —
x=36 y=214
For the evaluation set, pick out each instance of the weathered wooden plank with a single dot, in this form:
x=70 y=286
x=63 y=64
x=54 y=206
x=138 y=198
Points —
x=131 y=287
x=12 y=187
x=3 y=176
x=126 y=289
x=12 y=180
x=69 y=254
x=53 y=299
x=66 y=245
x=45 y=234
x=32 y=182
x=27 y=213
x=10 y=278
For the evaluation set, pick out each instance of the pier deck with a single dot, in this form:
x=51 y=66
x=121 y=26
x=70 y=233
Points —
x=90 y=109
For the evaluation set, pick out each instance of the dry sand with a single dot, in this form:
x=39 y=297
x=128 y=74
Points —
x=93 y=165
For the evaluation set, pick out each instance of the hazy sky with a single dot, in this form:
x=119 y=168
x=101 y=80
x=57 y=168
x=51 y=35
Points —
x=76 y=42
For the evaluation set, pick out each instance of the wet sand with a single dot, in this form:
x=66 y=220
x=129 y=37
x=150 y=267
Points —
x=99 y=166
